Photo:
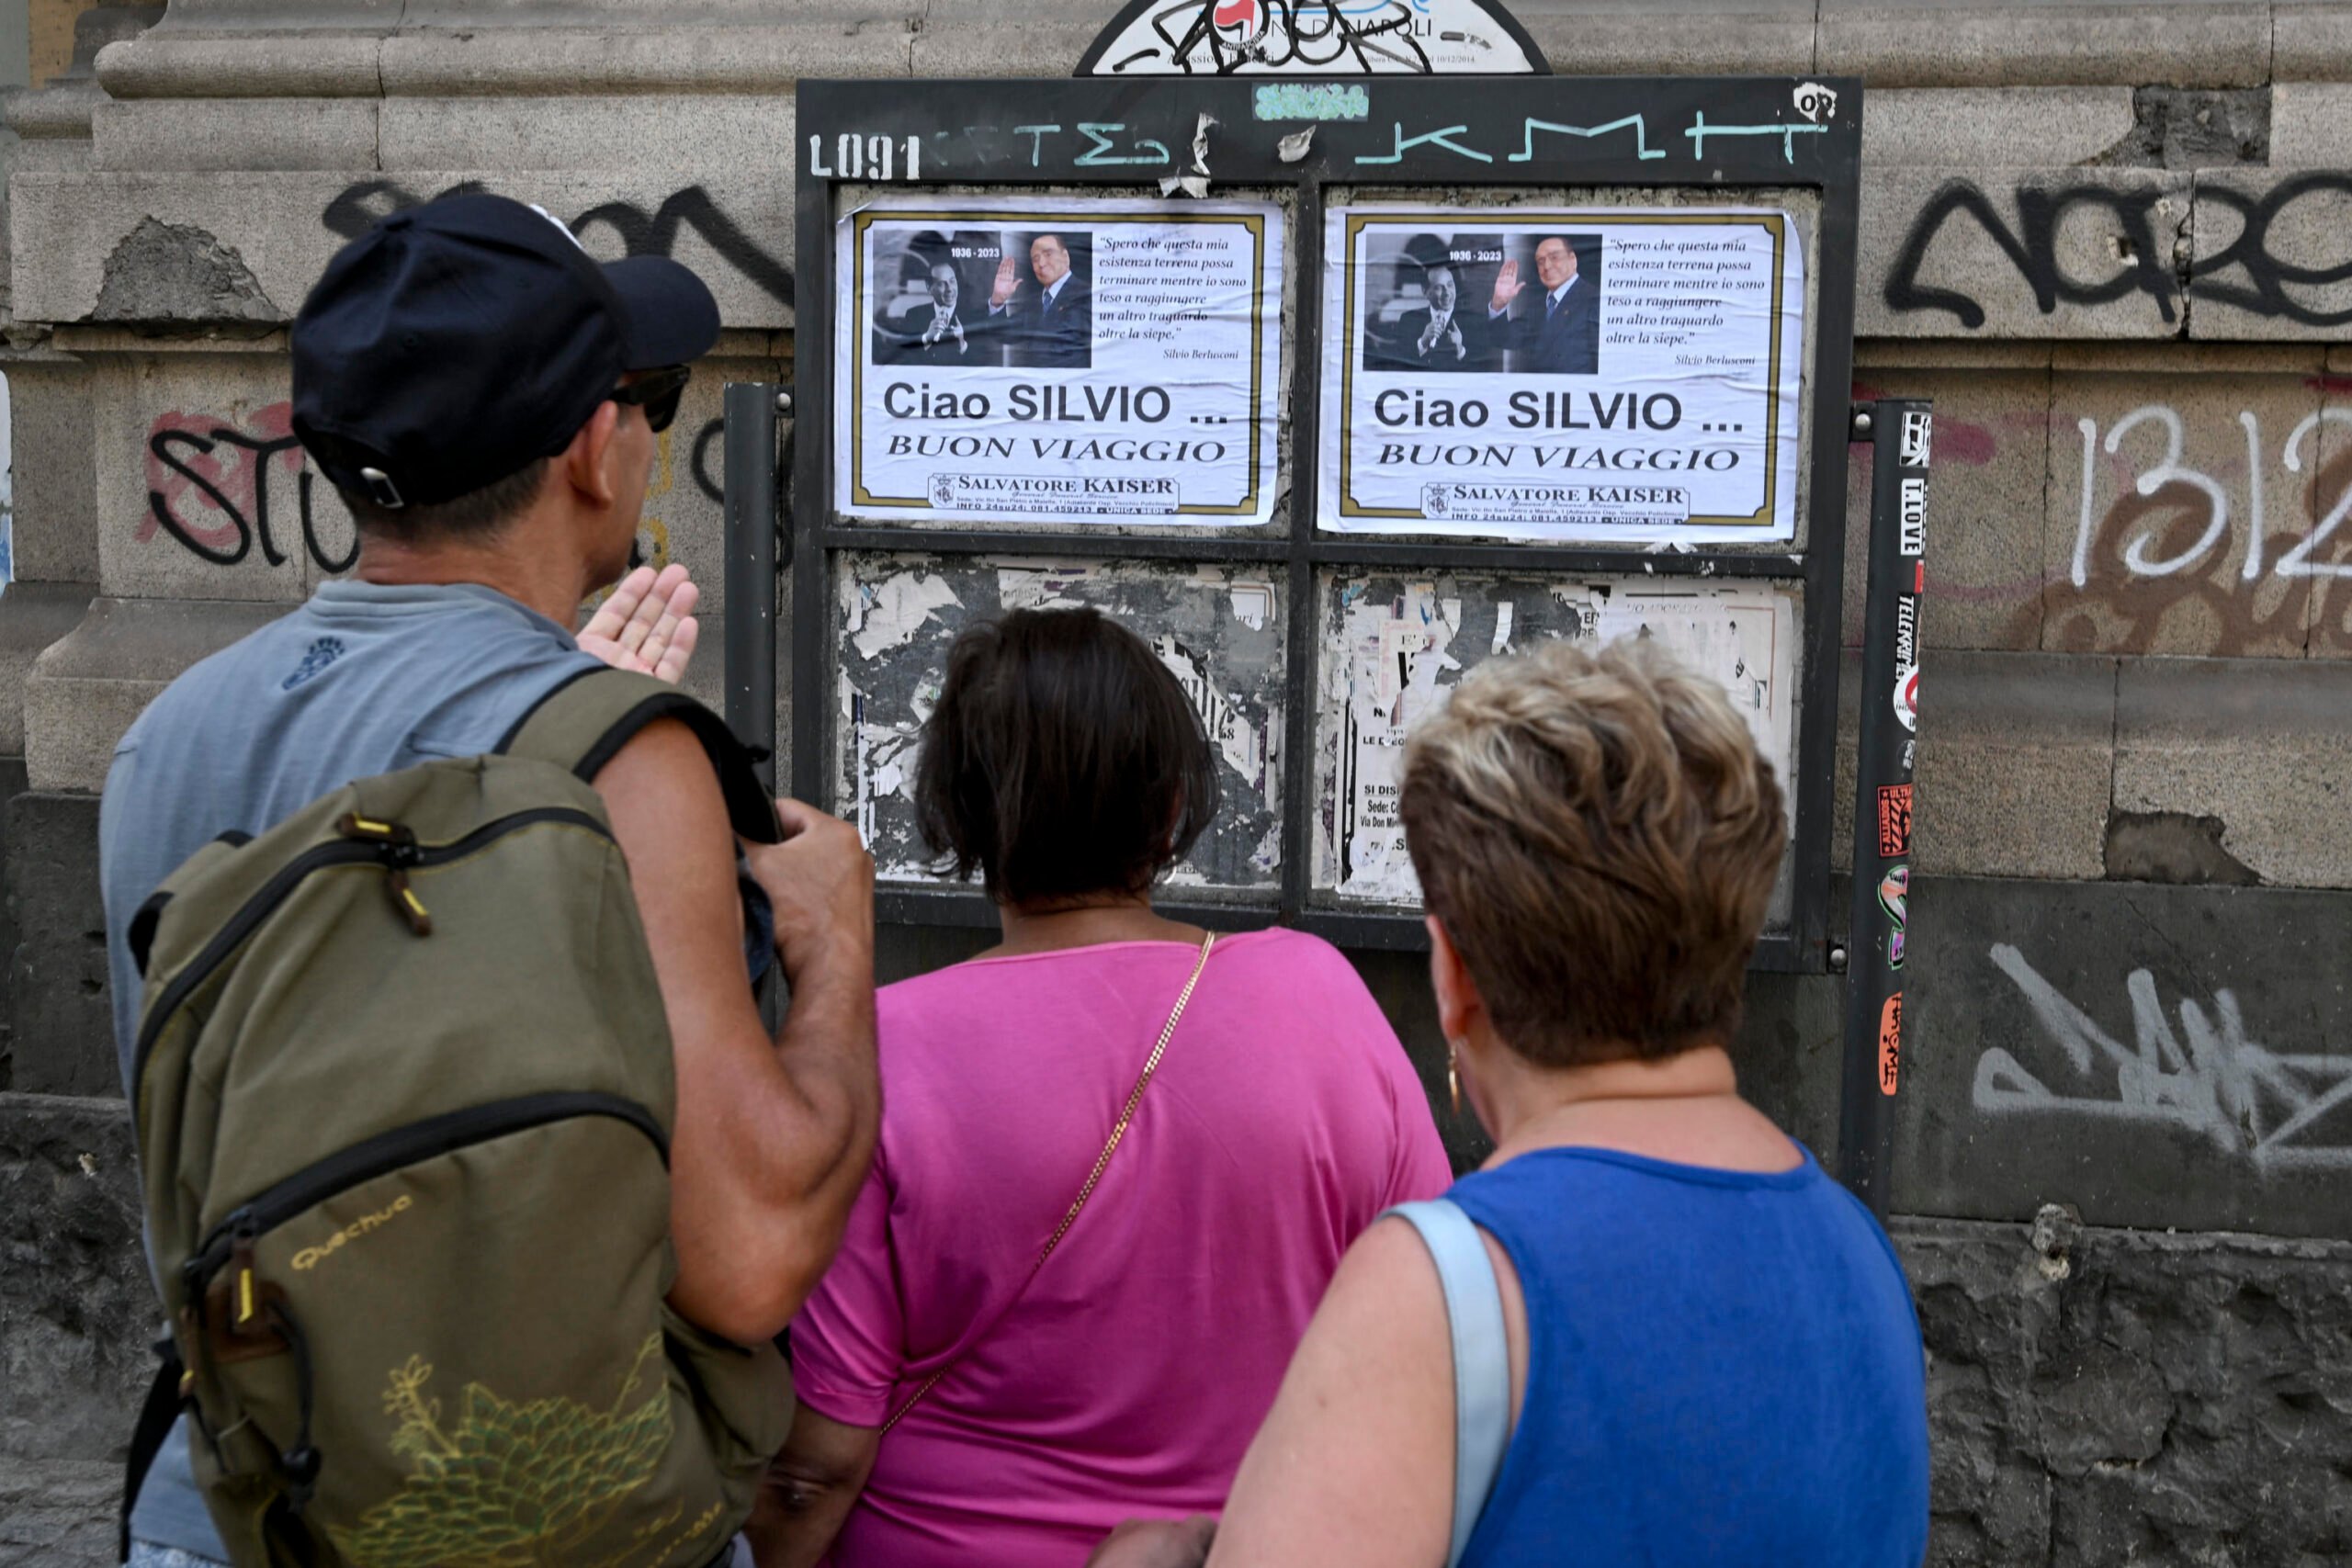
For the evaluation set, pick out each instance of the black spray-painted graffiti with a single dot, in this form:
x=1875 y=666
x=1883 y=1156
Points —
x=640 y=232
x=1275 y=35
x=705 y=480
x=2245 y=273
x=207 y=487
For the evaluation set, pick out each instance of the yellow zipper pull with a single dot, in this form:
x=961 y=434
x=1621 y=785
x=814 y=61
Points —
x=407 y=904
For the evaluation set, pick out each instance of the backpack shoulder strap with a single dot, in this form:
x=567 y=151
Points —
x=157 y=1418
x=1473 y=1308
x=591 y=715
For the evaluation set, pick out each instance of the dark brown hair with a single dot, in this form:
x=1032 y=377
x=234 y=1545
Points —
x=1062 y=761
x=474 y=515
x=1600 y=837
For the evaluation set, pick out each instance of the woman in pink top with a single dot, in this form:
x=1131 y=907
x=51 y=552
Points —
x=1127 y=1375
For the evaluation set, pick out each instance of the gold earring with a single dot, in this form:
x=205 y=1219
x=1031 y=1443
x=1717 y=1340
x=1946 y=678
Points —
x=1453 y=1073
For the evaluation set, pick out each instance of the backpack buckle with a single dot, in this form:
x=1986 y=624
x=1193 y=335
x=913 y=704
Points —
x=397 y=846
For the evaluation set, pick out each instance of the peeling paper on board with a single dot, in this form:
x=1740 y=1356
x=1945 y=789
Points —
x=1030 y=588
x=1392 y=656
x=1292 y=149
x=1193 y=614
x=1194 y=184
x=1242 y=744
x=897 y=610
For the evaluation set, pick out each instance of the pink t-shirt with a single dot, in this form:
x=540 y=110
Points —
x=1130 y=1378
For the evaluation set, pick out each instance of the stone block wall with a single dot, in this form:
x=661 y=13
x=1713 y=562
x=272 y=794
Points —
x=2113 y=244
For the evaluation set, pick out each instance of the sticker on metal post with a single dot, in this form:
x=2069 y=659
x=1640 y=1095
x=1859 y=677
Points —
x=1919 y=433
x=1894 y=898
x=1893 y=821
x=1890 y=1043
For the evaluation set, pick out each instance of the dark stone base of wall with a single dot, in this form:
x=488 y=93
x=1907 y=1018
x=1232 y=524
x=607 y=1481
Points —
x=78 y=1315
x=59 y=1000
x=2111 y=1396
x=2098 y=1397
x=57 y=1513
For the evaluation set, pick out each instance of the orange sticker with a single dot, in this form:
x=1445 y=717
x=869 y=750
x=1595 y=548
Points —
x=1890 y=1043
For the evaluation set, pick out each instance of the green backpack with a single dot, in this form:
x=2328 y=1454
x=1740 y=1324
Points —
x=403 y=1097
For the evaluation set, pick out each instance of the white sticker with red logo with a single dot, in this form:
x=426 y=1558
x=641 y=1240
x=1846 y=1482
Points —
x=1277 y=38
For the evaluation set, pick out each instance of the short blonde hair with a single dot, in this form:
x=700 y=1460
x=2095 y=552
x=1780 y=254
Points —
x=1600 y=837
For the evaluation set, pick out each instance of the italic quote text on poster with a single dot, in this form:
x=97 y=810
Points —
x=1608 y=376
x=1033 y=358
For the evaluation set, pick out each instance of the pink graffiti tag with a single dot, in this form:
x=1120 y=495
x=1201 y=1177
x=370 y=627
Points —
x=209 y=485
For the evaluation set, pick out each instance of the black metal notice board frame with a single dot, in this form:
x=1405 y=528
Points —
x=1713 y=133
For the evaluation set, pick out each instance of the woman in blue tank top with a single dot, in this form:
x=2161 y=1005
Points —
x=1705 y=1352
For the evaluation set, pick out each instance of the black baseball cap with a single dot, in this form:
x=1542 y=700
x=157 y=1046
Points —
x=456 y=341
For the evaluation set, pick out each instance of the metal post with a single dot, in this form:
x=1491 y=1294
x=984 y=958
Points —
x=750 y=507
x=1900 y=432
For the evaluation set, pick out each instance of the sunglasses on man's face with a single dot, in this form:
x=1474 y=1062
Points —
x=657 y=392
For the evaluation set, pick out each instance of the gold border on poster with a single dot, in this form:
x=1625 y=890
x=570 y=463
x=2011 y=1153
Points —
x=1512 y=217
x=1073 y=218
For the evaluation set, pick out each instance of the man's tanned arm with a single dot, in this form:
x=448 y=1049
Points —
x=773 y=1137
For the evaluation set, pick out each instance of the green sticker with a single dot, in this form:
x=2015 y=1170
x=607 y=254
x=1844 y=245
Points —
x=1311 y=100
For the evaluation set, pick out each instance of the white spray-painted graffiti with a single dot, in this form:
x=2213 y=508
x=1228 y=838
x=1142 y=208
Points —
x=2273 y=1109
x=2170 y=471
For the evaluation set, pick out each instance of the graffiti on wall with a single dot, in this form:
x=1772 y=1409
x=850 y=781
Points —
x=2202 y=529
x=2250 y=272
x=2158 y=538
x=228 y=493
x=220 y=488
x=2205 y=1075
x=640 y=232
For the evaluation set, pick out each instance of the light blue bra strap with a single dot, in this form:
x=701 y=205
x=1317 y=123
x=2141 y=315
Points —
x=1474 y=1307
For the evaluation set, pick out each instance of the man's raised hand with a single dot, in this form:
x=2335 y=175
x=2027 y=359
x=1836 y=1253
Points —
x=1507 y=287
x=648 y=624
x=1004 y=285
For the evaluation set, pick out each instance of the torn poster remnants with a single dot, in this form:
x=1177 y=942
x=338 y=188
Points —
x=1219 y=633
x=1393 y=649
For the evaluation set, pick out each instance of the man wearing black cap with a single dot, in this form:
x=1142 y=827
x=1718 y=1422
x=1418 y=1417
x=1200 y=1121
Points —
x=487 y=399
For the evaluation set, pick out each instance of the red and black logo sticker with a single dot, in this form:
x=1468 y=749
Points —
x=1893 y=821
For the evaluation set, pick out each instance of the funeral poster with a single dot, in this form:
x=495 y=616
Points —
x=1598 y=376
x=1057 y=360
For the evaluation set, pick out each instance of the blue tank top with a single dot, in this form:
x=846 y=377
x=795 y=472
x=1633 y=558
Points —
x=363 y=679
x=1722 y=1368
